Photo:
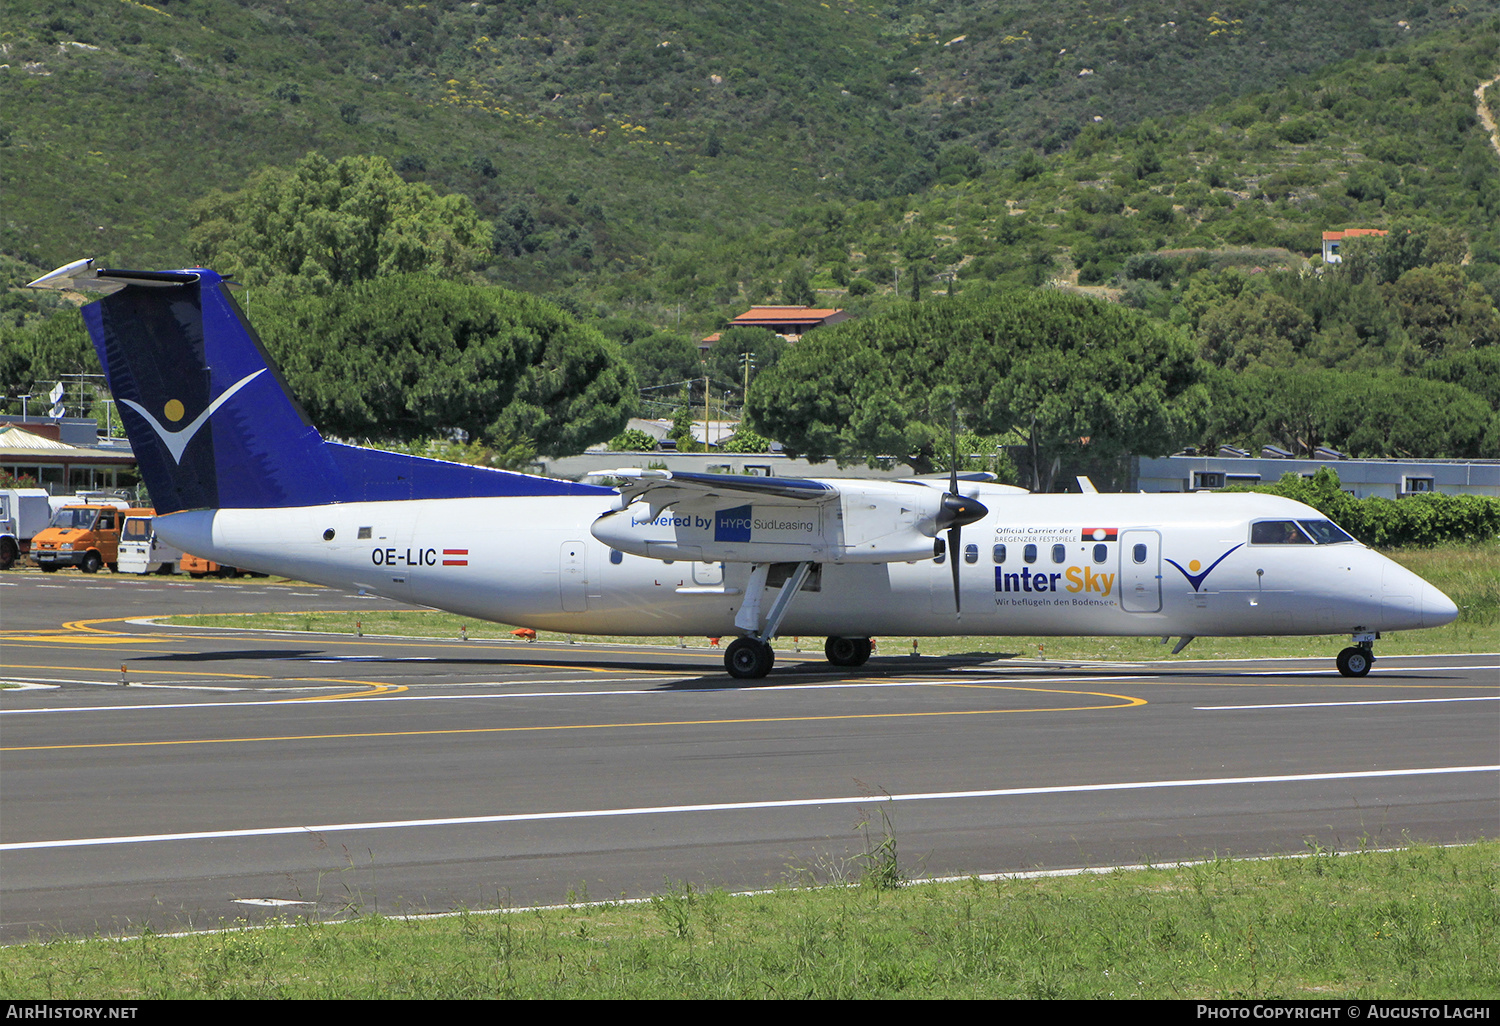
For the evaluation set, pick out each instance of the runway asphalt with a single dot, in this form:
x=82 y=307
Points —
x=243 y=774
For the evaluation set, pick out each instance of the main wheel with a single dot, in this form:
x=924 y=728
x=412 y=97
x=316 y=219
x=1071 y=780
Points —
x=92 y=561
x=8 y=554
x=748 y=659
x=847 y=651
x=1355 y=662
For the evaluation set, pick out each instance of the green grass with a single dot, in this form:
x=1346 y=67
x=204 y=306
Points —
x=1467 y=573
x=1419 y=923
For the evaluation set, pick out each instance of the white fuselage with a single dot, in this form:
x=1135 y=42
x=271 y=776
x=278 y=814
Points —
x=1168 y=565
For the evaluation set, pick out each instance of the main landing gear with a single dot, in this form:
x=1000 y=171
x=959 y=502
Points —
x=1356 y=660
x=750 y=657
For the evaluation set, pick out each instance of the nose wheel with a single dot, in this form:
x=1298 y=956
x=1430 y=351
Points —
x=1356 y=660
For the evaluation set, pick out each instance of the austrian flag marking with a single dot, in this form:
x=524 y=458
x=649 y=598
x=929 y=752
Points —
x=449 y=554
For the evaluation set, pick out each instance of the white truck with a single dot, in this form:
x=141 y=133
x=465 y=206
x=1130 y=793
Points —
x=142 y=552
x=23 y=513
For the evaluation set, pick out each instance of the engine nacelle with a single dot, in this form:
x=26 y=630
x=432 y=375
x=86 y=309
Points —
x=859 y=522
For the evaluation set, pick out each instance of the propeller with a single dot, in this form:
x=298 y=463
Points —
x=956 y=511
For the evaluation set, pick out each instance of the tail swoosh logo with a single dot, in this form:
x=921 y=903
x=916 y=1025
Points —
x=177 y=441
x=1196 y=579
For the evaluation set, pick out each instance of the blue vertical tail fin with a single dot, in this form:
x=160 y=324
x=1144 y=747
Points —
x=212 y=422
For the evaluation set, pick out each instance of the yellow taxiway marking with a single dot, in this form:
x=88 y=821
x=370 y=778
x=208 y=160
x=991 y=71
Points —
x=92 y=635
x=1122 y=702
x=80 y=639
x=373 y=687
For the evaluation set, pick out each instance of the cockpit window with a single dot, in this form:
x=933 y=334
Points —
x=1278 y=532
x=1325 y=532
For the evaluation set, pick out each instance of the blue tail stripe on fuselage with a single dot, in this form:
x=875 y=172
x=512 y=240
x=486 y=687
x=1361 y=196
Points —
x=175 y=351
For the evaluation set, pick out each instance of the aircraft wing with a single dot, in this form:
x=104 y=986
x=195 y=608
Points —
x=662 y=488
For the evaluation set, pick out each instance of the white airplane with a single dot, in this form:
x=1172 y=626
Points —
x=238 y=474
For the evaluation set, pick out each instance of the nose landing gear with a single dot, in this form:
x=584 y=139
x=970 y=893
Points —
x=1356 y=660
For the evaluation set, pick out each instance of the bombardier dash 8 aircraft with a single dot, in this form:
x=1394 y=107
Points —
x=239 y=474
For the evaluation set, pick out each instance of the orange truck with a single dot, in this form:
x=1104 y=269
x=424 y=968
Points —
x=85 y=535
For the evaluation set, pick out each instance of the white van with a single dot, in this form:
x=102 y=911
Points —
x=141 y=552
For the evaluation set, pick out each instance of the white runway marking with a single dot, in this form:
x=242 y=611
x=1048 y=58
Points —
x=794 y=803
x=1320 y=705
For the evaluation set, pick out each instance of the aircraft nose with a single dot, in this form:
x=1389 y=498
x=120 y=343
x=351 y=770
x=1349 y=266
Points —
x=1437 y=609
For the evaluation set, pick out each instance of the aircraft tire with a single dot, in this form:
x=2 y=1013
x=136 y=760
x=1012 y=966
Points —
x=748 y=659
x=847 y=651
x=1355 y=662
x=92 y=562
x=50 y=568
x=8 y=554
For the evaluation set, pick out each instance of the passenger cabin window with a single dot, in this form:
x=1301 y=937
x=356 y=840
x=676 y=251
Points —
x=616 y=556
x=1059 y=553
x=971 y=553
x=999 y=553
x=1138 y=553
x=1278 y=532
x=939 y=550
x=1029 y=553
x=1101 y=552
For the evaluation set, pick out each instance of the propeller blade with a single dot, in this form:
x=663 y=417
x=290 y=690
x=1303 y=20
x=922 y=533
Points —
x=954 y=536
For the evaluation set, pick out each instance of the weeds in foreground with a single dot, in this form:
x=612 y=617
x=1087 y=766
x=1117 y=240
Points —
x=1415 y=923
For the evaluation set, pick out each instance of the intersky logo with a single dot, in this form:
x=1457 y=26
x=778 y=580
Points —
x=177 y=441
x=732 y=525
x=1194 y=577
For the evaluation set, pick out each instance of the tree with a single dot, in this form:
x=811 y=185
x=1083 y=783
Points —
x=796 y=290
x=1255 y=328
x=411 y=356
x=663 y=359
x=1067 y=374
x=1358 y=413
x=1442 y=310
x=726 y=360
x=324 y=223
x=44 y=351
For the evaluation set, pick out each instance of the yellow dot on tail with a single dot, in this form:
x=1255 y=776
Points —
x=1193 y=565
x=173 y=410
